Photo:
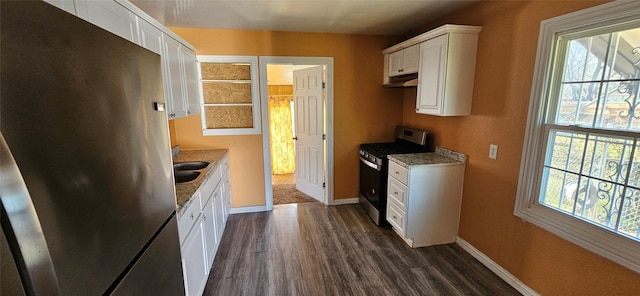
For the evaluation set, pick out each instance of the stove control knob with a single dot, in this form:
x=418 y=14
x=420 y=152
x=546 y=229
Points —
x=366 y=155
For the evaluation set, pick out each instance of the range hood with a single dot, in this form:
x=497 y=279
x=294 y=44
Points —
x=408 y=80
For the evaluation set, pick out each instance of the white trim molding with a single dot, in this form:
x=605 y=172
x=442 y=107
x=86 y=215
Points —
x=255 y=95
x=327 y=62
x=243 y=210
x=497 y=269
x=345 y=201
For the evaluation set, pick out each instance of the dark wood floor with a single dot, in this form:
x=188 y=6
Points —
x=312 y=249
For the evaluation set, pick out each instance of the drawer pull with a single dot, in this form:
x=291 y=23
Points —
x=191 y=216
x=394 y=217
x=397 y=172
x=395 y=192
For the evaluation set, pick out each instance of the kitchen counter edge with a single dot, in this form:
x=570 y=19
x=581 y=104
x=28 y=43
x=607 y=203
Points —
x=441 y=156
x=184 y=191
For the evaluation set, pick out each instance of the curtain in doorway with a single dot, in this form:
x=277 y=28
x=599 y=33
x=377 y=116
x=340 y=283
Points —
x=281 y=128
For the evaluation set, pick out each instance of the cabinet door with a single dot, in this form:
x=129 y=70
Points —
x=226 y=195
x=189 y=217
x=210 y=236
x=149 y=36
x=433 y=56
x=405 y=61
x=218 y=208
x=193 y=261
x=411 y=59
x=191 y=87
x=174 y=80
x=396 y=59
x=108 y=15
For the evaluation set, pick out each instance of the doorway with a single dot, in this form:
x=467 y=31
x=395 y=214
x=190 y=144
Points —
x=297 y=128
x=283 y=136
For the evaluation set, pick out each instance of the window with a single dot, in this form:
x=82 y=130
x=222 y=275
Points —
x=580 y=170
x=230 y=96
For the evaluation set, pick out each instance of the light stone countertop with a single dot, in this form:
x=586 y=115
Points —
x=441 y=156
x=184 y=191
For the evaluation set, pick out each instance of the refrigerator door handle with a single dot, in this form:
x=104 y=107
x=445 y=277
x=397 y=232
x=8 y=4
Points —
x=23 y=231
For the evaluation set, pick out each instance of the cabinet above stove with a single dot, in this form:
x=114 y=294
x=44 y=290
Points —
x=445 y=72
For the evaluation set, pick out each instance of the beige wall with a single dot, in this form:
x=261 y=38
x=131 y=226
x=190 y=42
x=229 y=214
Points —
x=363 y=110
x=504 y=71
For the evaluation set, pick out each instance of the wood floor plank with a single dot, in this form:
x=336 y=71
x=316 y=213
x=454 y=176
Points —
x=313 y=249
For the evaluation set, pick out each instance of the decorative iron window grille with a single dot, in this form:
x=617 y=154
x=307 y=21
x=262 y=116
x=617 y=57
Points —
x=591 y=169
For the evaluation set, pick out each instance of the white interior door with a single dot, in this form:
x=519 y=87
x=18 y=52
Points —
x=309 y=129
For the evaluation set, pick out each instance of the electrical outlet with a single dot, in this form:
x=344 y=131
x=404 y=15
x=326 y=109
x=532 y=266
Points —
x=493 y=151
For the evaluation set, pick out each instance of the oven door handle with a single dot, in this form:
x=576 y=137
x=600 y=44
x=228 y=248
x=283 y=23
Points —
x=370 y=164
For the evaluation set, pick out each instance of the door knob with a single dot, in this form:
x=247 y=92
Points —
x=295 y=138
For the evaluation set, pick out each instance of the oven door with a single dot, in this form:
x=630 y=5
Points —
x=373 y=187
x=370 y=181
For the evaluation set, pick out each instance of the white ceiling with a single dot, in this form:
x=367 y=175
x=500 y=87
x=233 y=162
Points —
x=372 y=17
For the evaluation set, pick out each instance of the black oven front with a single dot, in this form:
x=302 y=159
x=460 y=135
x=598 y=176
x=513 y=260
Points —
x=374 y=167
x=373 y=189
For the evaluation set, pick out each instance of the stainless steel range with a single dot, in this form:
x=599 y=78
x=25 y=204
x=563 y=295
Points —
x=374 y=167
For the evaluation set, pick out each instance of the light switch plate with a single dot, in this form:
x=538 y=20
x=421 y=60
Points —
x=493 y=151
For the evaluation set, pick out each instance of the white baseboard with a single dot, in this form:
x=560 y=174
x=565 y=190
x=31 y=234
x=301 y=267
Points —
x=497 y=269
x=248 y=210
x=345 y=201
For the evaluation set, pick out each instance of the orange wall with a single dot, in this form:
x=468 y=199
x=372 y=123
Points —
x=363 y=110
x=504 y=71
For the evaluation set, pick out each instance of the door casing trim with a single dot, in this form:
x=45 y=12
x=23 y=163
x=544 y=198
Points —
x=327 y=62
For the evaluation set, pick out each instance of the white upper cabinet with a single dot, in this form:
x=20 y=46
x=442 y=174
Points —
x=66 y=5
x=172 y=57
x=182 y=89
x=149 y=36
x=446 y=68
x=431 y=85
x=179 y=65
x=110 y=16
x=405 y=61
x=191 y=81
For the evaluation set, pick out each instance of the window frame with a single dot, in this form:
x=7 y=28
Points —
x=610 y=245
x=255 y=96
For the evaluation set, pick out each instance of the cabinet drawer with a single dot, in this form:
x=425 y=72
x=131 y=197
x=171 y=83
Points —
x=398 y=172
x=209 y=185
x=398 y=192
x=189 y=216
x=396 y=217
x=225 y=164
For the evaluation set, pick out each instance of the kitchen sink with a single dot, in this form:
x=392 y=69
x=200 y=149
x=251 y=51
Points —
x=191 y=165
x=185 y=176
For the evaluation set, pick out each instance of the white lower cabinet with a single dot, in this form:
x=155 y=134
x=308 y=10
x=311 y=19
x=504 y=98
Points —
x=200 y=226
x=213 y=222
x=191 y=230
x=218 y=207
x=193 y=260
x=226 y=189
x=423 y=202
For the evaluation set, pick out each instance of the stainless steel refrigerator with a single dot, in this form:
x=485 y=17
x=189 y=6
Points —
x=86 y=179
